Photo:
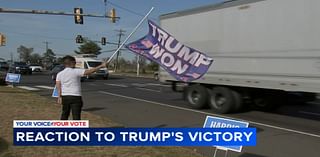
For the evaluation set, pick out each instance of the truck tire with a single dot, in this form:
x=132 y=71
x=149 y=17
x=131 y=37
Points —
x=224 y=100
x=238 y=106
x=197 y=96
x=269 y=101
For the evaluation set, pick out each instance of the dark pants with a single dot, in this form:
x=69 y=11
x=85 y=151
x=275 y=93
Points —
x=73 y=104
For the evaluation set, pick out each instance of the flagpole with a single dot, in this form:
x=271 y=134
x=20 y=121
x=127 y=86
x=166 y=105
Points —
x=133 y=31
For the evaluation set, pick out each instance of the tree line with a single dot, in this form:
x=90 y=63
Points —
x=48 y=58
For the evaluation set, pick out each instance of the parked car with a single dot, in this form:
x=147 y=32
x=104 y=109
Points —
x=156 y=75
x=36 y=67
x=55 y=70
x=20 y=68
x=2 y=77
x=4 y=66
x=53 y=65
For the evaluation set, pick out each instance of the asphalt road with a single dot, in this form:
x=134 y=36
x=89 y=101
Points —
x=290 y=131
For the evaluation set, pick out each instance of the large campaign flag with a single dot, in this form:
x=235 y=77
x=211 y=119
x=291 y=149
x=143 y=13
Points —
x=182 y=62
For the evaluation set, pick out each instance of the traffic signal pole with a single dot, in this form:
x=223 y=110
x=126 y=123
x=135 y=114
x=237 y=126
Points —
x=45 y=12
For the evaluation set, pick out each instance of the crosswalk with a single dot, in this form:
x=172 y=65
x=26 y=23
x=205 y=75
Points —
x=35 y=88
x=45 y=87
x=139 y=86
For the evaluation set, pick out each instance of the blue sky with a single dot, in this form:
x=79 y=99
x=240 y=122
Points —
x=60 y=31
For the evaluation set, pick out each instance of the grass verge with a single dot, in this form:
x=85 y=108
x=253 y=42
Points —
x=17 y=104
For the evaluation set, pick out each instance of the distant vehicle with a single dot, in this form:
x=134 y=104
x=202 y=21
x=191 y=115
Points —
x=21 y=68
x=263 y=52
x=2 y=77
x=36 y=67
x=156 y=75
x=53 y=65
x=55 y=70
x=4 y=66
x=89 y=62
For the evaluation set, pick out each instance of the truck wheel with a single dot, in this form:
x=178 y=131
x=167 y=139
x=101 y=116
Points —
x=269 y=101
x=224 y=100
x=197 y=96
x=238 y=106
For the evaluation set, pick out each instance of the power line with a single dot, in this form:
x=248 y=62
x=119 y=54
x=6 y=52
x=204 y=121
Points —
x=41 y=36
x=128 y=10
x=123 y=8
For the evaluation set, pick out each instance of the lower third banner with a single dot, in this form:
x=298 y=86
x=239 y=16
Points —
x=134 y=137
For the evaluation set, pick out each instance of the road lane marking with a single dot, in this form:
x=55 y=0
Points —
x=116 y=85
x=310 y=113
x=92 y=84
x=156 y=84
x=138 y=84
x=147 y=89
x=212 y=114
x=28 y=88
x=45 y=87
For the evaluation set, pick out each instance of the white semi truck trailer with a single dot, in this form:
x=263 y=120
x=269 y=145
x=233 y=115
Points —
x=263 y=51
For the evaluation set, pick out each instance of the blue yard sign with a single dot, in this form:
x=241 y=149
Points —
x=13 y=78
x=55 y=92
x=216 y=122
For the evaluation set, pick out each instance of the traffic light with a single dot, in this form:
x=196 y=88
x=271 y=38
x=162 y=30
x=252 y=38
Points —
x=78 y=17
x=79 y=39
x=2 y=40
x=113 y=15
x=103 y=41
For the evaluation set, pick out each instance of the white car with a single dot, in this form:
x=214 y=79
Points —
x=36 y=68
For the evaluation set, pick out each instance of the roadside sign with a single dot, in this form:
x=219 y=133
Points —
x=216 y=122
x=55 y=92
x=13 y=78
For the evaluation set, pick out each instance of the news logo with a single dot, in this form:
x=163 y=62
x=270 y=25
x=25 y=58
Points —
x=50 y=124
x=78 y=133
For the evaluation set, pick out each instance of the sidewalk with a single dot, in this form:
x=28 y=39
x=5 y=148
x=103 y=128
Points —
x=18 y=104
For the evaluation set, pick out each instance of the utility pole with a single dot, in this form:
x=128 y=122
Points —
x=11 y=63
x=47 y=48
x=47 y=45
x=138 y=65
x=121 y=33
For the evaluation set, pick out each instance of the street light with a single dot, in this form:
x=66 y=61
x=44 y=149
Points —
x=78 y=17
x=2 y=40
x=79 y=39
x=103 y=41
x=113 y=15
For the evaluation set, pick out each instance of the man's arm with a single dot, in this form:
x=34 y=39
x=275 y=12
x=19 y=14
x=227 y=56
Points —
x=58 y=85
x=92 y=70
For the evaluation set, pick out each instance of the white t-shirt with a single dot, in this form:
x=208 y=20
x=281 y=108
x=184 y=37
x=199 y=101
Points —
x=70 y=79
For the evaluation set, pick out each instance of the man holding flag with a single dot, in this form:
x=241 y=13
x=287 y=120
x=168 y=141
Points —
x=68 y=83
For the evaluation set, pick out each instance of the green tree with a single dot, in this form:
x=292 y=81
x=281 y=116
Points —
x=48 y=58
x=24 y=53
x=89 y=47
x=153 y=66
x=35 y=58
